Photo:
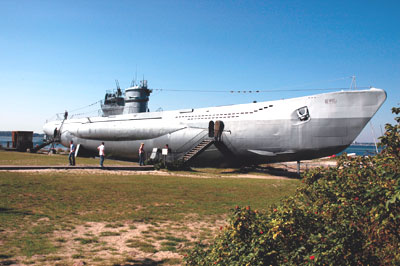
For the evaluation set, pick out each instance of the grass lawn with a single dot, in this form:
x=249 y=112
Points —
x=26 y=158
x=118 y=218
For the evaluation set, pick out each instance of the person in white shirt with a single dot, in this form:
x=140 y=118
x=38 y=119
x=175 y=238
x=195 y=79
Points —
x=101 y=153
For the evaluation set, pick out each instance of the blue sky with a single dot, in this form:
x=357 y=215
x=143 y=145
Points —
x=63 y=55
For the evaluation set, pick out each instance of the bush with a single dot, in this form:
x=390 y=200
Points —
x=151 y=162
x=343 y=215
x=159 y=165
x=172 y=166
x=391 y=139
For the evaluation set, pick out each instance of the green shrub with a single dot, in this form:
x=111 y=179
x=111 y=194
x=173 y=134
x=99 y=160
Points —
x=151 y=161
x=391 y=139
x=343 y=215
x=159 y=165
x=178 y=165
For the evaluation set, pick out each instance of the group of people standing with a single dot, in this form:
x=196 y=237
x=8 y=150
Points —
x=101 y=149
x=142 y=154
x=72 y=150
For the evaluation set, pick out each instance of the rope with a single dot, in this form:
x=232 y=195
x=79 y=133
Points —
x=255 y=91
x=84 y=114
x=59 y=116
x=80 y=108
x=281 y=89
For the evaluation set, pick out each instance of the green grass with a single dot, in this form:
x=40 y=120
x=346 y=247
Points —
x=168 y=246
x=116 y=225
x=78 y=256
x=141 y=245
x=60 y=196
x=26 y=158
x=176 y=239
x=85 y=241
x=109 y=233
x=36 y=205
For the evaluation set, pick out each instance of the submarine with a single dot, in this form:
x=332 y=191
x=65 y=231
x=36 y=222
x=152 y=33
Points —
x=293 y=129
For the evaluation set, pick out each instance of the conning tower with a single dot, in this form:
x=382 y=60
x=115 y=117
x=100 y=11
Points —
x=137 y=98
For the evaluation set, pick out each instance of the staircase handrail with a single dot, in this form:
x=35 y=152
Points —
x=227 y=142
x=59 y=133
x=193 y=142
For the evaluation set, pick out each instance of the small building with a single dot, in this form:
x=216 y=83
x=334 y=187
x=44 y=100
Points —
x=22 y=140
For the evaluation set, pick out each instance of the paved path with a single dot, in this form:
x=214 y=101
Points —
x=63 y=167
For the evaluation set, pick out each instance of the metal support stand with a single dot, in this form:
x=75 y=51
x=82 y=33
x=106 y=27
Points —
x=298 y=167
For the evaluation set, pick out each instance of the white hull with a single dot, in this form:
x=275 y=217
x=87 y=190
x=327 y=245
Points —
x=257 y=132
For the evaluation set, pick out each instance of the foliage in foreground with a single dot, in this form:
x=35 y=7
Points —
x=344 y=215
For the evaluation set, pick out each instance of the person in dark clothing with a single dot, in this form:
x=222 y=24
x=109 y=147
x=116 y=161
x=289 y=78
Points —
x=71 y=156
x=167 y=147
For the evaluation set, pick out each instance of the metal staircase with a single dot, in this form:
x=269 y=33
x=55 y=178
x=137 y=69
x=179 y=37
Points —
x=44 y=144
x=204 y=144
x=197 y=150
x=52 y=141
x=58 y=137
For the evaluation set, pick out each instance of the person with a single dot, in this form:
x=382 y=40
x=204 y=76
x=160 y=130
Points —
x=65 y=115
x=71 y=156
x=102 y=154
x=55 y=133
x=141 y=154
x=218 y=129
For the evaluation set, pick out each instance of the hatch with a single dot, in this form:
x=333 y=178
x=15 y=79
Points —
x=211 y=129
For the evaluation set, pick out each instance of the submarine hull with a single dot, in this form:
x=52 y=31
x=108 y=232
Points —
x=284 y=130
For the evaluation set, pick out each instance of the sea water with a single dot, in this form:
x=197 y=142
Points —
x=362 y=150
x=35 y=140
